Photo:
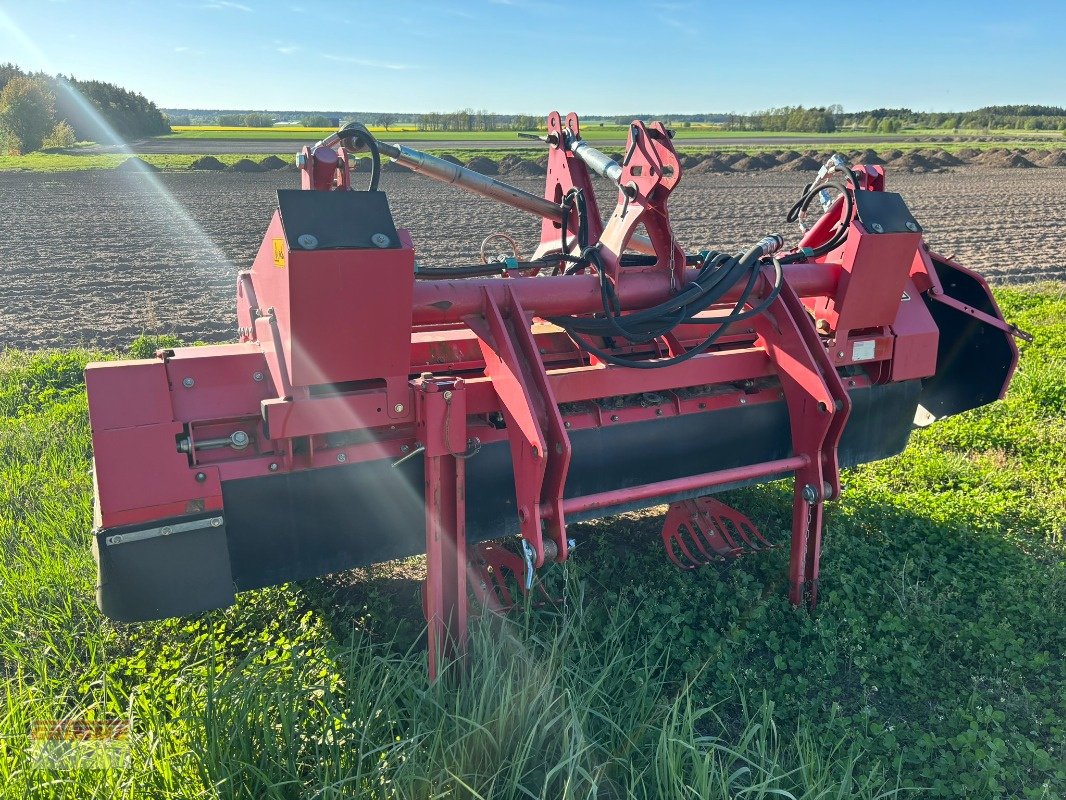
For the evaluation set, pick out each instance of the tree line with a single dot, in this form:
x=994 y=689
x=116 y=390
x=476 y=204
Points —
x=38 y=111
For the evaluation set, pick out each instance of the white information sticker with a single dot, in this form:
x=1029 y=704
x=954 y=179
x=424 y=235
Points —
x=862 y=351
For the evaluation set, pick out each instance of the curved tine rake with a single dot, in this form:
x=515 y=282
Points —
x=723 y=518
x=674 y=542
x=492 y=587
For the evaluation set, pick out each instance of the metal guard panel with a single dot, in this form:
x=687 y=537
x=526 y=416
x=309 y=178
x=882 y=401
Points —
x=338 y=220
x=306 y=524
x=886 y=209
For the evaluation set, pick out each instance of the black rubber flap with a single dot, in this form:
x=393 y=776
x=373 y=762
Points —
x=886 y=209
x=336 y=220
x=162 y=576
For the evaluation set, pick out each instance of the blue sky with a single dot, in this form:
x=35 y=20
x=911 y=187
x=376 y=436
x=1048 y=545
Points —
x=530 y=56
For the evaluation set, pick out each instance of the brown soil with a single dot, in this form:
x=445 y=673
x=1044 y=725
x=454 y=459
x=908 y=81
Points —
x=801 y=164
x=755 y=162
x=1055 y=159
x=128 y=258
x=246 y=165
x=787 y=156
x=207 y=162
x=912 y=162
x=486 y=166
x=273 y=162
x=867 y=157
x=136 y=164
x=525 y=169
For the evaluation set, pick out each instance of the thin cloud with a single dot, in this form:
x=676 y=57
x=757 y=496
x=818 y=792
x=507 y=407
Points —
x=367 y=62
x=226 y=5
x=288 y=49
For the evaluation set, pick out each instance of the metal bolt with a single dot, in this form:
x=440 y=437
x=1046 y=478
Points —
x=743 y=401
x=115 y=540
x=258 y=377
x=876 y=228
x=809 y=493
x=827 y=490
x=405 y=448
x=188 y=383
x=566 y=425
x=380 y=240
x=614 y=418
x=200 y=477
x=840 y=354
x=703 y=405
x=307 y=241
x=912 y=227
x=658 y=412
x=448 y=395
x=341 y=457
x=274 y=467
x=165 y=530
x=239 y=440
x=398 y=408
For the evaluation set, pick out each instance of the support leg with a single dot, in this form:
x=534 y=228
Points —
x=445 y=589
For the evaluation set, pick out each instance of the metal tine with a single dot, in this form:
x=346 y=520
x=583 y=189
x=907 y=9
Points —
x=728 y=518
x=678 y=540
x=716 y=532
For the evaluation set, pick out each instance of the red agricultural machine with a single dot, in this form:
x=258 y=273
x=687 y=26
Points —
x=374 y=409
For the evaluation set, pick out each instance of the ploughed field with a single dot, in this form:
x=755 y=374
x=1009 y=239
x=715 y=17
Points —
x=98 y=257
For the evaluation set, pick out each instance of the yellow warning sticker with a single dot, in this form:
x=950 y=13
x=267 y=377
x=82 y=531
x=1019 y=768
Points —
x=279 y=252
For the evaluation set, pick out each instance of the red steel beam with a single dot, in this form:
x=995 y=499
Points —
x=437 y=302
x=649 y=491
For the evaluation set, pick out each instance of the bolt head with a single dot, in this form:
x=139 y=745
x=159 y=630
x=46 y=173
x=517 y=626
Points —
x=840 y=354
x=258 y=377
x=614 y=418
x=448 y=395
x=877 y=228
x=567 y=425
x=380 y=240
x=809 y=493
x=743 y=401
x=308 y=241
x=201 y=477
x=341 y=457
x=273 y=467
x=115 y=539
x=188 y=383
x=398 y=408
x=912 y=227
x=165 y=530
x=404 y=448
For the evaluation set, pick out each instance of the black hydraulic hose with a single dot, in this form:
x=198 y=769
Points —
x=801 y=205
x=359 y=132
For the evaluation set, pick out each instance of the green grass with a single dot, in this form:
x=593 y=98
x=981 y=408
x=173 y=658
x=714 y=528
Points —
x=932 y=668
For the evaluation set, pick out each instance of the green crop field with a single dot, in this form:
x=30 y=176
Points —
x=932 y=668
x=591 y=132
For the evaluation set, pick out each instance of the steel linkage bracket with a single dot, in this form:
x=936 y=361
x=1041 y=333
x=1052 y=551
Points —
x=566 y=173
x=540 y=446
x=650 y=172
x=440 y=407
x=818 y=408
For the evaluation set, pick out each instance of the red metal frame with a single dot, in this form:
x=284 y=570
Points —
x=327 y=346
